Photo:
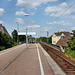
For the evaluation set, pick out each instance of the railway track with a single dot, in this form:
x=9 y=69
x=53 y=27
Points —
x=67 y=65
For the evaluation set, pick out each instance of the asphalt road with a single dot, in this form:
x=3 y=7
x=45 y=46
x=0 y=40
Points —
x=21 y=61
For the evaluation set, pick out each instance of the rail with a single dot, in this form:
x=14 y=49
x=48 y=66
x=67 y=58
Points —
x=64 y=62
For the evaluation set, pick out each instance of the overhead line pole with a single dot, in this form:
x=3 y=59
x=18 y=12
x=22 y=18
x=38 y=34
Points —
x=17 y=32
x=47 y=37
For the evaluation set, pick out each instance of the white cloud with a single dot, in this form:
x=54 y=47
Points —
x=20 y=13
x=54 y=22
x=21 y=21
x=43 y=31
x=56 y=11
x=71 y=16
x=32 y=3
x=9 y=0
x=1 y=22
x=22 y=9
x=47 y=28
x=33 y=26
x=64 y=4
x=1 y=11
x=73 y=28
x=60 y=23
x=31 y=13
x=32 y=21
x=61 y=29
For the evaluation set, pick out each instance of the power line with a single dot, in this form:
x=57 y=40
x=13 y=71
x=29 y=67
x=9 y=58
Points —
x=65 y=10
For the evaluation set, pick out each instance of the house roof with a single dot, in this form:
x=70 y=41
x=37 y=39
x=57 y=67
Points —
x=67 y=34
x=4 y=29
x=0 y=26
x=63 y=42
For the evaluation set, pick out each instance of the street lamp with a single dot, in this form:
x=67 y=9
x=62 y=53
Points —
x=17 y=32
x=26 y=30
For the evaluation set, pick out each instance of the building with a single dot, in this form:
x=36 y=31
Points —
x=3 y=29
x=60 y=35
x=60 y=39
x=62 y=43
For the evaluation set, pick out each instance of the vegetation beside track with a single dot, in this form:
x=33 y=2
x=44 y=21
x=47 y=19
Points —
x=70 y=50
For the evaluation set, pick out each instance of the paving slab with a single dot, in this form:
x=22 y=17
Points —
x=22 y=61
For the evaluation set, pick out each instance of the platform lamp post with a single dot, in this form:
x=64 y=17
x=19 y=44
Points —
x=26 y=30
x=17 y=32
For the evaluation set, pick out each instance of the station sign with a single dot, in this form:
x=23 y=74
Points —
x=28 y=33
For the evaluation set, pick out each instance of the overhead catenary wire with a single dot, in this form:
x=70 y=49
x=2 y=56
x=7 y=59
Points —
x=65 y=11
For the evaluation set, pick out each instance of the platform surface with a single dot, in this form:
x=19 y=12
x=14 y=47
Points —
x=21 y=61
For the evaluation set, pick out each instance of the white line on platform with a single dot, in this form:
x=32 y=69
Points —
x=41 y=66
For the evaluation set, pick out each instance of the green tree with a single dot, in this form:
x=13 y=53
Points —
x=50 y=39
x=73 y=33
x=71 y=42
x=1 y=38
x=22 y=38
x=5 y=41
x=15 y=35
x=37 y=39
x=70 y=50
x=43 y=39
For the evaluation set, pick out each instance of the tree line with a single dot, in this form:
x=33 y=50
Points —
x=70 y=49
x=44 y=39
x=7 y=41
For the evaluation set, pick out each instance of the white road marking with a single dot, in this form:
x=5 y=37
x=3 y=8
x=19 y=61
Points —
x=41 y=66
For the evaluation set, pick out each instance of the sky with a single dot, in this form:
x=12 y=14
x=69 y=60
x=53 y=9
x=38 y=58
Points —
x=44 y=15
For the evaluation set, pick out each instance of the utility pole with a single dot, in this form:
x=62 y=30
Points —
x=17 y=32
x=26 y=30
x=47 y=37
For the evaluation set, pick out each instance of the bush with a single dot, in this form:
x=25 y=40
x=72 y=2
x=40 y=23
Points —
x=14 y=44
x=6 y=41
x=70 y=52
x=2 y=48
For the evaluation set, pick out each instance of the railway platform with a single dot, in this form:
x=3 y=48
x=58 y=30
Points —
x=31 y=61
